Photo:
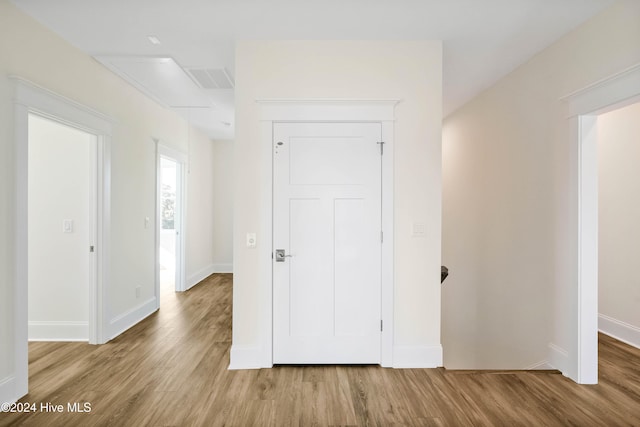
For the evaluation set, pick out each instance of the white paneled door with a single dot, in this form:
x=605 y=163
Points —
x=327 y=243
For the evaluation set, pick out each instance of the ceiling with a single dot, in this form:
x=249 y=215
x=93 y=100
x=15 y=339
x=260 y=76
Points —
x=483 y=39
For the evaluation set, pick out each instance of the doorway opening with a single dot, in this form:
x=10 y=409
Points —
x=168 y=241
x=584 y=107
x=170 y=270
x=61 y=229
x=33 y=100
x=618 y=226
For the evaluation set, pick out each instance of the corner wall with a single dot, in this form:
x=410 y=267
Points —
x=406 y=70
x=200 y=175
x=223 y=165
x=506 y=210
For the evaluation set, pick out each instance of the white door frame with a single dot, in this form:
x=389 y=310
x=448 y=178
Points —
x=309 y=110
x=181 y=162
x=583 y=108
x=30 y=98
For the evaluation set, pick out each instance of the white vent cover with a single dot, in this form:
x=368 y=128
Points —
x=211 y=78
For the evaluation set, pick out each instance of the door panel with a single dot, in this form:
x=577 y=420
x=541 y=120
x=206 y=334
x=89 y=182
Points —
x=327 y=216
x=311 y=253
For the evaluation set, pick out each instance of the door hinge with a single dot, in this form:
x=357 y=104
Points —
x=381 y=144
x=91 y=249
x=381 y=325
x=381 y=236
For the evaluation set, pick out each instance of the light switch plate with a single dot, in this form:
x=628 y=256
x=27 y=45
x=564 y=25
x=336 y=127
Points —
x=418 y=229
x=67 y=226
x=251 y=240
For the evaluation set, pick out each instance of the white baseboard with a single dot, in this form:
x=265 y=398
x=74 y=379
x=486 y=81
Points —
x=619 y=330
x=58 y=331
x=542 y=365
x=418 y=356
x=559 y=359
x=121 y=323
x=223 y=268
x=245 y=357
x=199 y=276
x=8 y=390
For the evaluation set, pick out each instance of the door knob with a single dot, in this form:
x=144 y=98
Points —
x=281 y=255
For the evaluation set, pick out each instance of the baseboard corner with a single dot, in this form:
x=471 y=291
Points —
x=558 y=359
x=121 y=323
x=542 y=365
x=622 y=331
x=8 y=390
x=417 y=356
x=245 y=357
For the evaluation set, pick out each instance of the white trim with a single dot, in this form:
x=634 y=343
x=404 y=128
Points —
x=223 y=268
x=92 y=294
x=583 y=107
x=417 y=356
x=8 y=390
x=330 y=110
x=599 y=96
x=386 y=276
x=97 y=333
x=619 y=330
x=265 y=245
x=315 y=110
x=172 y=153
x=542 y=365
x=45 y=101
x=245 y=357
x=587 y=306
x=20 y=292
x=559 y=358
x=126 y=320
x=200 y=275
x=31 y=98
x=58 y=331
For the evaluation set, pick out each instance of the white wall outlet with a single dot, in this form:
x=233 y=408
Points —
x=251 y=240
x=138 y=291
x=67 y=226
x=146 y=222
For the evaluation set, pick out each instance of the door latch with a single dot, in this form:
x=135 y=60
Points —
x=281 y=255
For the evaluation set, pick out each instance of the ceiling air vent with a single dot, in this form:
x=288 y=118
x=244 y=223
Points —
x=211 y=78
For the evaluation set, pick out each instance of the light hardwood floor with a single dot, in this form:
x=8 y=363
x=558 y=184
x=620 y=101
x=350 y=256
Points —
x=172 y=370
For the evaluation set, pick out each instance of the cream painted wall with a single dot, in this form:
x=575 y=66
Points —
x=223 y=205
x=31 y=51
x=407 y=70
x=619 y=214
x=200 y=209
x=507 y=214
x=60 y=176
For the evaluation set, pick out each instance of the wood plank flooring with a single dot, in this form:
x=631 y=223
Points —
x=171 y=370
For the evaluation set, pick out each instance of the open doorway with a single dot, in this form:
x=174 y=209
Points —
x=583 y=108
x=35 y=101
x=618 y=225
x=170 y=221
x=61 y=229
